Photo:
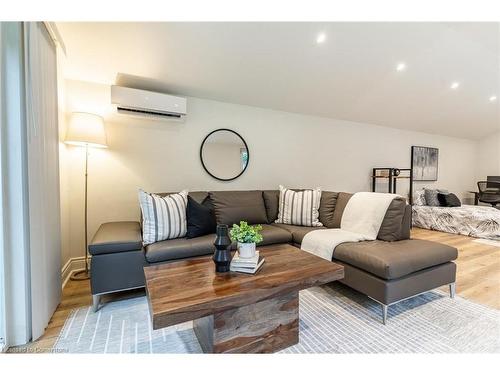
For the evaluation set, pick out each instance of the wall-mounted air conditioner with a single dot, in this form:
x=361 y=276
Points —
x=147 y=103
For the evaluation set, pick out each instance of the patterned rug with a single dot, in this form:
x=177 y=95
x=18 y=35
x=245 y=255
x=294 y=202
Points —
x=333 y=319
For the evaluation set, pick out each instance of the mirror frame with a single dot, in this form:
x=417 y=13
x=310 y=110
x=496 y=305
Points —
x=205 y=167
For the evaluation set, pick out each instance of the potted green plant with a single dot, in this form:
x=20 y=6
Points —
x=247 y=237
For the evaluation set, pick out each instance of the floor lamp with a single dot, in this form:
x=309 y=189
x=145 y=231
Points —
x=86 y=130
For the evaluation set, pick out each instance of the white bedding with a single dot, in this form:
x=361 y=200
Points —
x=474 y=221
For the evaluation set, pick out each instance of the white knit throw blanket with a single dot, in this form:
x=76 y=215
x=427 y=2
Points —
x=361 y=221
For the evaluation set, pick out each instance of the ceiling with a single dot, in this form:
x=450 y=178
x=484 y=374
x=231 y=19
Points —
x=351 y=75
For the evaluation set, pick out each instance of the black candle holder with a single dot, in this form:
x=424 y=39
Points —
x=222 y=254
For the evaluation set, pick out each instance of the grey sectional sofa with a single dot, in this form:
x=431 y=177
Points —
x=392 y=268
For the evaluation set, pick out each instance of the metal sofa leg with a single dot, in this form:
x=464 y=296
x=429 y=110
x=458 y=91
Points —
x=452 y=290
x=384 y=313
x=95 y=302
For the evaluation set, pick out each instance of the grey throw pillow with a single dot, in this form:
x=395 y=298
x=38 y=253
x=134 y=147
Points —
x=431 y=196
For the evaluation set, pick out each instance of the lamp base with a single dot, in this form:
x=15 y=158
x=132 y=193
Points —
x=80 y=275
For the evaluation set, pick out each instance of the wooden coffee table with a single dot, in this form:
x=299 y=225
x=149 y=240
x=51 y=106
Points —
x=234 y=312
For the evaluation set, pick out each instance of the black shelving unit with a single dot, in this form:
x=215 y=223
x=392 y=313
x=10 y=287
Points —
x=392 y=175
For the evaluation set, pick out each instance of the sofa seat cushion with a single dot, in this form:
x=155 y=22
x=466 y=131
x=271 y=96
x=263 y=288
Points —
x=272 y=234
x=298 y=232
x=180 y=248
x=392 y=260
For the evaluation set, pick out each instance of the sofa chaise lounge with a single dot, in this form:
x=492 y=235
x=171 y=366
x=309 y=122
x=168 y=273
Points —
x=388 y=270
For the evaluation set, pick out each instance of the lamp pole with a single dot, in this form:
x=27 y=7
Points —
x=84 y=274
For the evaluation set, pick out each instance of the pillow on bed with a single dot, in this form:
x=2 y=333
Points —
x=419 y=198
x=449 y=200
x=431 y=196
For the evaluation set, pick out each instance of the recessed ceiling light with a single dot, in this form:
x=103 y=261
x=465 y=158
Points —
x=400 y=67
x=320 y=38
x=493 y=98
x=455 y=85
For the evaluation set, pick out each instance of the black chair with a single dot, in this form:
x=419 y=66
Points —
x=489 y=192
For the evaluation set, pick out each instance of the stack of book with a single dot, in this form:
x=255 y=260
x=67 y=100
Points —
x=246 y=265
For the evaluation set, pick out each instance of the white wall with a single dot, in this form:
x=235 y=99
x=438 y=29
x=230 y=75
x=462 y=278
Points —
x=285 y=148
x=488 y=157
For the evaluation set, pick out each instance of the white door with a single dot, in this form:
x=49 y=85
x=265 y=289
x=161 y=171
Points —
x=2 y=273
x=43 y=175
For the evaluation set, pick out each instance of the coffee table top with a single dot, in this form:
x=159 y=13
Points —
x=191 y=289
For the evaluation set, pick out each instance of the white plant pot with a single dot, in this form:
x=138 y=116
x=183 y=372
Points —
x=246 y=250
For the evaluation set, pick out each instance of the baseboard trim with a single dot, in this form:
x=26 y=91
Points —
x=72 y=265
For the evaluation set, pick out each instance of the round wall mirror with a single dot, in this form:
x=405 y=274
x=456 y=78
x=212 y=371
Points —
x=224 y=154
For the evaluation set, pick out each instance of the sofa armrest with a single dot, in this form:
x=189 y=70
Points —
x=405 y=233
x=116 y=237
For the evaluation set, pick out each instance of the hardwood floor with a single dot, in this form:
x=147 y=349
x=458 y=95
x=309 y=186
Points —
x=478 y=266
x=478 y=279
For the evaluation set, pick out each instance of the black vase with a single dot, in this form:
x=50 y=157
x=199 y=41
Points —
x=222 y=254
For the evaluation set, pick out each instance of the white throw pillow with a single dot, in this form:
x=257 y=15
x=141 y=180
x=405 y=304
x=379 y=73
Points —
x=163 y=218
x=299 y=207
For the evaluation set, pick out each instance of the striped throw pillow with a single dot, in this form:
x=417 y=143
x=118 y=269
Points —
x=299 y=207
x=163 y=218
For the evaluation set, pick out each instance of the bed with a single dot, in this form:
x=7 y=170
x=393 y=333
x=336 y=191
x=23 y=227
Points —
x=474 y=221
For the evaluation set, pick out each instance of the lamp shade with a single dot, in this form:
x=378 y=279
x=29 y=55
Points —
x=86 y=129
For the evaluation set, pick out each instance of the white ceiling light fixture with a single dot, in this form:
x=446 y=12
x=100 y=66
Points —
x=455 y=85
x=401 y=67
x=493 y=98
x=321 y=38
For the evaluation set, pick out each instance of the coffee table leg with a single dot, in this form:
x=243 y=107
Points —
x=263 y=327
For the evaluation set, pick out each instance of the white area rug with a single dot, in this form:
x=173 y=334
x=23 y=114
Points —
x=333 y=319
x=488 y=242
